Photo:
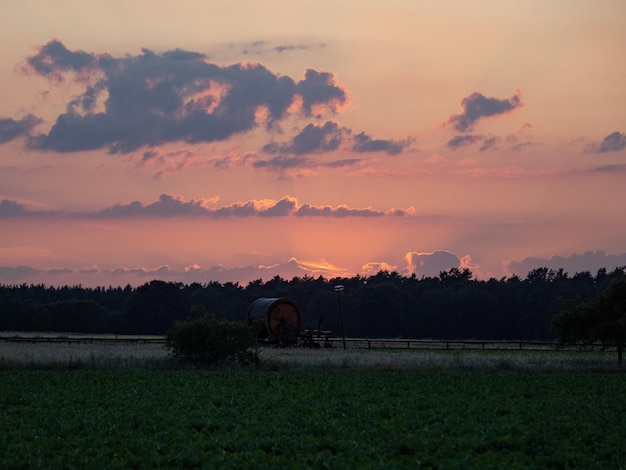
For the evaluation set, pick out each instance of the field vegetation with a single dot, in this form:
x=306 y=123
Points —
x=91 y=406
x=156 y=355
x=311 y=418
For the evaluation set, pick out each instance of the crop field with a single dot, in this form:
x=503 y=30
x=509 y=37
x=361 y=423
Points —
x=311 y=418
x=314 y=409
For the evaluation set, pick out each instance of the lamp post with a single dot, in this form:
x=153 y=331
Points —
x=338 y=289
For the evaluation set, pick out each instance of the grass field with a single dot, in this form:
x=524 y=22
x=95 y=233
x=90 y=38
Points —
x=93 y=408
x=154 y=355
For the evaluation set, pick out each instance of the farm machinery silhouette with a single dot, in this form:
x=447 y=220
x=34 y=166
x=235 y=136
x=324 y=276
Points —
x=278 y=322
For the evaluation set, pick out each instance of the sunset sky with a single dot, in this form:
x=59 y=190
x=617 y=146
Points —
x=199 y=141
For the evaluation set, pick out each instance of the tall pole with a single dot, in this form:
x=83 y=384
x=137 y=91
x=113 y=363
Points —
x=338 y=289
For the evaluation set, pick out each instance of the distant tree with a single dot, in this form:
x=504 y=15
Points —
x=456 y=274
x=79 y=316
x=602 y=319
x=154 y=307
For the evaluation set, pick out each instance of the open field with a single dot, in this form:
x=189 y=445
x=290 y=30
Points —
x=74 y=355
x=311 y=418
x=420 y=360
x=119 y=354
x=112 y=405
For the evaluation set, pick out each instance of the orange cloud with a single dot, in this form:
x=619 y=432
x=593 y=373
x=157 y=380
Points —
x=321 y=267
x=373 y=267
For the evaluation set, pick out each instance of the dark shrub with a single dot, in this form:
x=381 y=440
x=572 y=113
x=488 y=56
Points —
x=209 y=341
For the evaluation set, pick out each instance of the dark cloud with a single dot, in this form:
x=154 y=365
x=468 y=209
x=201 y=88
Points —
x=281 y=163
x=166 y=206
x=609 y=169
x=477 y=106
x=11 y=209
x=170 y=206
x=431 y=264
x=176 y=206
x=307 y=210
x=153 y=98
x=312 y=139
x=320 y=88
x=54 y=58
x=463 y=140
x=266 y=47
x=487 y=141
x=298 y=47
x=516 y=141
x=123 y=275
x=401 y=212
x=613 y=142
x=364 y=143
x=15 y=273
x=328 y=137
x=283 y=208
x=342 y=163
x=253 y=47
x=59 y=271
x=11 y=129
x=167 y=162
x=575 y=263
x=521 y=146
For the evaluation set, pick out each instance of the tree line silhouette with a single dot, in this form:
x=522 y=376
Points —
x=453 y=305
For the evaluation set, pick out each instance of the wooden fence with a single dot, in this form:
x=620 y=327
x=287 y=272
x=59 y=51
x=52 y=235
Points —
x=461 y=344
x=351 y=343
x=70 y=338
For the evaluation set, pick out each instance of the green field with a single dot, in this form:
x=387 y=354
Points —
x=312 y=418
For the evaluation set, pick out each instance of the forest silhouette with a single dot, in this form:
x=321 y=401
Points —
x=453 y=305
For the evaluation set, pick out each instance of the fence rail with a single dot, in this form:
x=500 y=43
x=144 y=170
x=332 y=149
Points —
x=351 y=343
x=448 y=345
x=70 y=338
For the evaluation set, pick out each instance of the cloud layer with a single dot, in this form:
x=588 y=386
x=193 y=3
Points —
x=590 y=261
x=176 y=206
x=323 y=138
x=430 y=265
x=150 y=99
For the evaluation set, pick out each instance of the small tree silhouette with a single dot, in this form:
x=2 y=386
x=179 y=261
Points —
x=208 y=341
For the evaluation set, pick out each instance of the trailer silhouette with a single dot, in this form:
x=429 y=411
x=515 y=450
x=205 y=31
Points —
x=278 y=321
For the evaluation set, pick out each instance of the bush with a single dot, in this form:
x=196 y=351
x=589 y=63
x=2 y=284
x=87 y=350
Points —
x=209 y=341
